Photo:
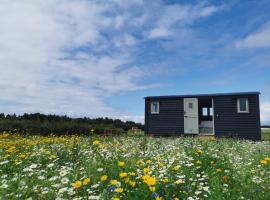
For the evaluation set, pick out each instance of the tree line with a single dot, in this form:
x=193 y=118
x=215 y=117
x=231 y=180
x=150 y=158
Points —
x=42 y=124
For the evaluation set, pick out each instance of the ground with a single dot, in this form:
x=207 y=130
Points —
x=73 y=167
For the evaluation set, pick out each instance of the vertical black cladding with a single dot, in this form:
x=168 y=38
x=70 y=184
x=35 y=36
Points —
x=169 y=121
x=230 y=123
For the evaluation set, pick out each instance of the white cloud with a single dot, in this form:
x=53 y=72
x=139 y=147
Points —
x=258 y=39
x=40 y=67
x=265 y=112
x=174 y=16
x=160 y=32
x=67 y=57
x=209 y=10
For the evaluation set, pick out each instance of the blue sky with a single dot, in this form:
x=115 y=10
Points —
x=100 y=58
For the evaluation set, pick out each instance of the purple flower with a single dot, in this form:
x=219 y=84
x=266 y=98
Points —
x=155 y=195
x=111 y=188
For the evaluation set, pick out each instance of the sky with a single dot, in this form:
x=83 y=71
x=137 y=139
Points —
x=99 y=58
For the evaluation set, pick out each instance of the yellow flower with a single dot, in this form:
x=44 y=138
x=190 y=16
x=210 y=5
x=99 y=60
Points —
x=132 y=173
x=148 y=161
x=121 y=164
x=198 y=162
x=123 y=175
x=139 y=162
x=158 y=198
x=126 y=180
x=152 y=189
x=4 y=135
x=264 y=162
x=178 y=182
x=165 y=180
x=160 y=164
x=22 y=156
x=219 y=170
x=175 y=198
x=267 y=158
x=199 y=151
x=176 y=168
x=77 y=184
x=150 y=181
x=104 y=178
x=53 y=156
x=115 y=198
x=146 y=170
x=212 y=162
x=96 y=142
x=11 y=149
x=132 y=183
x=113 y=182
x=86 y=181
x=119 y=190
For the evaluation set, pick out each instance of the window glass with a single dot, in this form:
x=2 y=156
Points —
x=190 y=105
x=211 y=111
x=204 y=111
x=242 y=104
x=154 y=107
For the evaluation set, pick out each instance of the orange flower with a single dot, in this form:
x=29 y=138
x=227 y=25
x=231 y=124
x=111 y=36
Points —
x=225 y=178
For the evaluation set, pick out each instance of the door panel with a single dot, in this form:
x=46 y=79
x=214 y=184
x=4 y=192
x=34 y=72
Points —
x=191 y=116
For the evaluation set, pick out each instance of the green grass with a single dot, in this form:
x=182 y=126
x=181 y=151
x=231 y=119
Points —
x=265 y=134
x=35 y=167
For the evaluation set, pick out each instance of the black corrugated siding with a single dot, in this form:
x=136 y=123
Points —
x=230 y=123
x=169 y=121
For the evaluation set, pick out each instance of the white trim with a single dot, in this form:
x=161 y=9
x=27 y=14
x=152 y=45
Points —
x=152 y=108
x=238 y=105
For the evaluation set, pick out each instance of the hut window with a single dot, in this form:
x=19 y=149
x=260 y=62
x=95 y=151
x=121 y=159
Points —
x=205 y=111
x=155 y=107
x=242 y=105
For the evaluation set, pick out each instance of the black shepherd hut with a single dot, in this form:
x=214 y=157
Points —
x=221 y=115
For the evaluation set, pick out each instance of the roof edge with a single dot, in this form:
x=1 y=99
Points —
x=204 y=95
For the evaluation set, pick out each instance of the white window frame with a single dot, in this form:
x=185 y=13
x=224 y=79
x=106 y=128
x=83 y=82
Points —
x=152 y=107
x=207 y=112
x=238 y=105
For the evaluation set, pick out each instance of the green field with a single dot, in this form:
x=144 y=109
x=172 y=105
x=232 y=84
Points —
x=265 y=134
x=74 y=167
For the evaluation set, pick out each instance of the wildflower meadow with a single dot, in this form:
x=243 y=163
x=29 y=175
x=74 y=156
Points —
x=76 y=167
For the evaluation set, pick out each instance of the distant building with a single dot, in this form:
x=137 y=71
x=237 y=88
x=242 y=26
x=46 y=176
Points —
x=135 y=129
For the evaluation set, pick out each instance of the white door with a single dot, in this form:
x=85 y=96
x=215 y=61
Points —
x=191 y=116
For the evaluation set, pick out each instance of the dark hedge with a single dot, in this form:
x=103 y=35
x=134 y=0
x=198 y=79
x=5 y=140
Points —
x=42 y=124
